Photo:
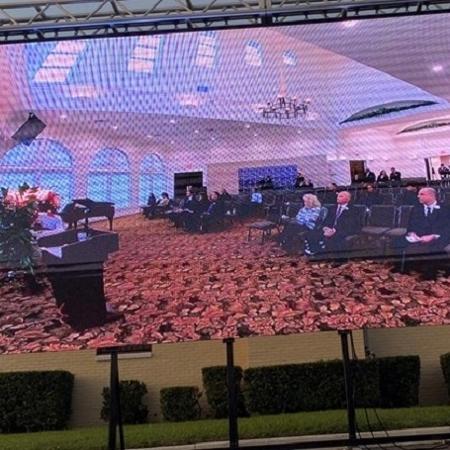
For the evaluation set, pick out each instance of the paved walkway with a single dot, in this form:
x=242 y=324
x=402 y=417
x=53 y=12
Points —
x=303 y=439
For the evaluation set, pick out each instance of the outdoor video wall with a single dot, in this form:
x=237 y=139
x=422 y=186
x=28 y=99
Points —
x=270 y=235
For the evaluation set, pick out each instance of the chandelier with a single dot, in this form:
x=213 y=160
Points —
x=285 y=108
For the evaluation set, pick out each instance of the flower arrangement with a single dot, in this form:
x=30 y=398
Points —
x=18 y=212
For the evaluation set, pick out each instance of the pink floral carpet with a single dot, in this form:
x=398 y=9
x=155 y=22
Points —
x=174 y=286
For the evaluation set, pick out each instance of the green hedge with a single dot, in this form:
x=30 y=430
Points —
x=35 y=401
x=308 y=387
x=215 y=384
x=132 y=407
x=180 y=403
x=445 y=366
x=399 y=381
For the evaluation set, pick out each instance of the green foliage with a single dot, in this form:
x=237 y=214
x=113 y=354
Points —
x=308 y=387
x=399 y=381
x=180 y=403
x=17 y=214
x=132 y=407
x=215 y=383
x=35 y=401
x=184 y=433
x=445 y=366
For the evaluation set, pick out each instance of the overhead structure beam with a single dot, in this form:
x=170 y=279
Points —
x=39 y=20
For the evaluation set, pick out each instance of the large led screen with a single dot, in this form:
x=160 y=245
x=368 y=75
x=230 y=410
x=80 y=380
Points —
x=203 y=185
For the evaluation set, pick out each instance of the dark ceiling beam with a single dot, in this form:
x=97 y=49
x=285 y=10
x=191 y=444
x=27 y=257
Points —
x=225 y=16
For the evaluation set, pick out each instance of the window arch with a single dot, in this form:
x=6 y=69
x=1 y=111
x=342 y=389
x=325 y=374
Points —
x=44 y=163
x=253 y=53
x=206 y=50
x=152 y=177
x=109 y=178
x=289 y=58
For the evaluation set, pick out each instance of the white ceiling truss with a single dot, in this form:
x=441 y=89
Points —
x=39 y=20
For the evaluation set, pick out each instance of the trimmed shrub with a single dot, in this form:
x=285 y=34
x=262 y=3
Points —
x=308 y=387
x=35 y=401
x=399 y=381
x=132 y=407
x=215 y=383
x=180 y=403
x=445 y=366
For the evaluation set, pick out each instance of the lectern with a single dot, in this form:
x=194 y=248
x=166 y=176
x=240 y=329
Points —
x=74 y=261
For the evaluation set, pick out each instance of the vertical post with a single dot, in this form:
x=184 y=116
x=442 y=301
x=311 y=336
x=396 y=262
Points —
x=348 y=380
x=232 y=396
x=113 y=382
x=115 y=415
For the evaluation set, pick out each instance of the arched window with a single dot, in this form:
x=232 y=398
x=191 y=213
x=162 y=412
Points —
x=109 y=178
x=44 y=163
x=152 y=177
x=206 y=50
x=289 y=58
x=253 y=53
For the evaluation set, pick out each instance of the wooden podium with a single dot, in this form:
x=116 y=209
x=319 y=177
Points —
x=74 y=261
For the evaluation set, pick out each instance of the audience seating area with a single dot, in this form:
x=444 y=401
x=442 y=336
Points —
x=382 y=214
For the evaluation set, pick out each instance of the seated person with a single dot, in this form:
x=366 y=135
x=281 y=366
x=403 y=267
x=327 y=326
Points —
x=428 y=228
x=306 y=223
x=408 y=196
x=395 y=176
x=214 y=214
x=299 y=180
x=330 y=194
x=268 y=183
x=371 y=197
x=225 y=196
x=202 y=203
x=149 y=209
x=369 y=176
x=306 y=184
x=444 y=172
x=382 y=178
x=188 y=209
x=49 y=221
x=341 y=222
x=164 y=202
x=192 y=221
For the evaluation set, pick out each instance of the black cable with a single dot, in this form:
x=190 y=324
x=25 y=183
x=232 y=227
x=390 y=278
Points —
x=355 y=357
x=380 y=422
x=356 y=360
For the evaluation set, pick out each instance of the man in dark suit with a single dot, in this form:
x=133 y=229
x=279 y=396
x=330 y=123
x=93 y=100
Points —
x=429 y=225
x=341 y=222
x=395 y=177
x=214 y=214
x=408 y=196
x=369 y=176
x=371 y=197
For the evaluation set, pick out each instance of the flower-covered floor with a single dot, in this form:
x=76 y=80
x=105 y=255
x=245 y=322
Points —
x=174 y=286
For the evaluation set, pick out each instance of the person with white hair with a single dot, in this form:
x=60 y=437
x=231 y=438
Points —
x=303 y=228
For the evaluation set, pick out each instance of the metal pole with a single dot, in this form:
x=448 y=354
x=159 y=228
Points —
x=115 y=413
x=113 y=390
x=232 y=396
x=348 y=380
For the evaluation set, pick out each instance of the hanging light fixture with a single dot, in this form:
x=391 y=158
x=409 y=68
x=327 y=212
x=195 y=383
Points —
x=284 y=106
